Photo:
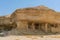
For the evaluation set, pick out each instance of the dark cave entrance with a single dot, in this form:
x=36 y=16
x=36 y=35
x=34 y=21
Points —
x=36 y=26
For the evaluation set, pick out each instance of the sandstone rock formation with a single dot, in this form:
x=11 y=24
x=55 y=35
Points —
x=33 y=18
x=39 y=17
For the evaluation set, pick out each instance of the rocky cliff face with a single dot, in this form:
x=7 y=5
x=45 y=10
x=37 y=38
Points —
x=39 y=13
x=31 y=13
x=35 y=14
x=6 y=23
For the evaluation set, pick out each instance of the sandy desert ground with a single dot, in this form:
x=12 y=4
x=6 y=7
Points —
x=31 y=37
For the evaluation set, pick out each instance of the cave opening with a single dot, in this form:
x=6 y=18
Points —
x=36 y=25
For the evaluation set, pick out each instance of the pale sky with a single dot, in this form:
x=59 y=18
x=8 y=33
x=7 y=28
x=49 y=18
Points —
x=9 y=6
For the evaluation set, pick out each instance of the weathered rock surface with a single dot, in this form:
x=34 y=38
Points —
x=19 y=18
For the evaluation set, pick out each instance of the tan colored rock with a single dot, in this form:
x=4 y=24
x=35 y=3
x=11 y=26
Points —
x=37 y=15
x=40 y=17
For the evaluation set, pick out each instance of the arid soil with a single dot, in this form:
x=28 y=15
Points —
x=30 y=37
